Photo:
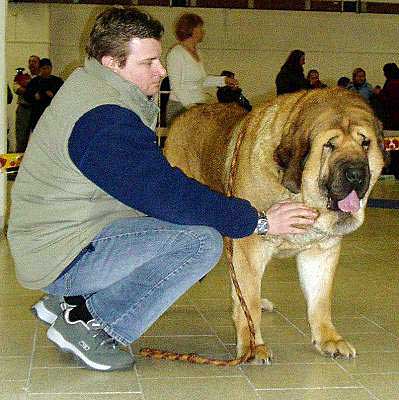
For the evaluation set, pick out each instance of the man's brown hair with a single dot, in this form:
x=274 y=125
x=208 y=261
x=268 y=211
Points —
x=115 y=27
x=356 y=71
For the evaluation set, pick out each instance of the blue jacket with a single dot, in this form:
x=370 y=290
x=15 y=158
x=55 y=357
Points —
x=365 y=90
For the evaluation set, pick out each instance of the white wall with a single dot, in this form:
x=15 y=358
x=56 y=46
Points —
x=255 y=43
x=252 y=42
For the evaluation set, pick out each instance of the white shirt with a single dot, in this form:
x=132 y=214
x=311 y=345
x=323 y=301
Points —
x=188 y=78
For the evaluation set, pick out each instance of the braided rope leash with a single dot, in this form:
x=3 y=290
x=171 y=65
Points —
x=195 y=358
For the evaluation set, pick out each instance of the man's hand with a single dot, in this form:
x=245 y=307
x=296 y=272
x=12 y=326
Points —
x=290 y=217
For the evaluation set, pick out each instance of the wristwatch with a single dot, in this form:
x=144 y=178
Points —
x=263 y=224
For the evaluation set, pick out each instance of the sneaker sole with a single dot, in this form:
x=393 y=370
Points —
x=45 y=315
x=54 y=336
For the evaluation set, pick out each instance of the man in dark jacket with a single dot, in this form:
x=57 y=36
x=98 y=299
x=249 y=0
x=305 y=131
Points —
x=41 y=90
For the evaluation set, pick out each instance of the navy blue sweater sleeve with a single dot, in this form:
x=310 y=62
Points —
x=113 y=148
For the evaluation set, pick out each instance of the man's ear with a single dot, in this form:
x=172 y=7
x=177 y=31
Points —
x=110 y=62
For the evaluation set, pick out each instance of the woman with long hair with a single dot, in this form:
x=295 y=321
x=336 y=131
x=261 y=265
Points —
x=291 y=77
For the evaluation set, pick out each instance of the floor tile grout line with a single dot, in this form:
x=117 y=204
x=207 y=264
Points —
x=213 y=330
x=137 y=374
x=176 y=336
x=182 y=306
x=272 y=343
x=29 y=378
x=289 y=322
x=377 y=373
x=320 y=363
x=84 y=393
x=63 y=367
x=169 y=378
x=244 y=375
x=380 y=326
x=355 y=380
x=321 y=388
x=370 y=392
x=307 y=388
x=339 y=365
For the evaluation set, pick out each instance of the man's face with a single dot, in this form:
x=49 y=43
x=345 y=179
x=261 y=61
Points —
x=360 y=78
x=33 y=64
x=45 y=71
x=143 y=65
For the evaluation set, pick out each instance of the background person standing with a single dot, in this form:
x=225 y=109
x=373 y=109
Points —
x=187 y=76
x=41 y=90
x=24 y=107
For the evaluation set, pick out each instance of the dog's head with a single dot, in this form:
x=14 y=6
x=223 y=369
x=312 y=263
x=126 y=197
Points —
x=331 y=146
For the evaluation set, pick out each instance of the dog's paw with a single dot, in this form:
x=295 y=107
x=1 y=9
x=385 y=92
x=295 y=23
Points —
x=336 y=349
x=266 y=305
x=263 y=356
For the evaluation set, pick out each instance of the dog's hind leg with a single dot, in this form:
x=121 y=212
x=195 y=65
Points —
x=250 y=259
x=316 y=268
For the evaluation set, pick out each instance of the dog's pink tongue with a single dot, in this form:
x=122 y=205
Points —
x=350 y=203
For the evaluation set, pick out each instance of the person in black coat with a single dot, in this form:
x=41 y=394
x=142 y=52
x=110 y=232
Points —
x=291 y=77
x=41 y=90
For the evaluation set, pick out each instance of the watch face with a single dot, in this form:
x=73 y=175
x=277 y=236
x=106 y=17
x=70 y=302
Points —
x=263 y=226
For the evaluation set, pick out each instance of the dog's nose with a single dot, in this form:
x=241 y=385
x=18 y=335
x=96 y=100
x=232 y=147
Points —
x=355 y=175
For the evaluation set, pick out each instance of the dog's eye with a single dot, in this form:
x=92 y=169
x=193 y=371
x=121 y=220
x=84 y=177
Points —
x=329 y=145
x=365 y=143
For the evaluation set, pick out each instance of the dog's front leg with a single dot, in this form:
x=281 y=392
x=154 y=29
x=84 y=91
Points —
x=316 y=268
x=250 y=257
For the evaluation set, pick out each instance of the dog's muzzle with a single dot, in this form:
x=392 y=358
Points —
x=348 y=185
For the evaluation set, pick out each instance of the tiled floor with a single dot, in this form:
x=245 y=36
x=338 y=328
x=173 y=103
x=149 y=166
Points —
x=366 y=306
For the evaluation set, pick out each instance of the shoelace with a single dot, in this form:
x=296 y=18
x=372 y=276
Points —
x=64 y=306
x=99 y=332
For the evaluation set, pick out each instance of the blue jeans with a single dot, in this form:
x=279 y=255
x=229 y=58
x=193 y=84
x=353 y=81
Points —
x=135 y=269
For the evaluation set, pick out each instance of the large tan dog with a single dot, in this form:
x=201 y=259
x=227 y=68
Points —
x=321 y=147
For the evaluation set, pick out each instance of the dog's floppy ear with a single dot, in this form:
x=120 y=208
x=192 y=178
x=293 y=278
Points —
x=380 y=140
x=291 y=155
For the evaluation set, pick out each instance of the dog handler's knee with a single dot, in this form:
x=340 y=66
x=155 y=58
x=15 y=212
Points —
x=211 y=243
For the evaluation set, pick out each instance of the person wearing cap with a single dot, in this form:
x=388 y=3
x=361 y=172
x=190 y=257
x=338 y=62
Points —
x=41 y=90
